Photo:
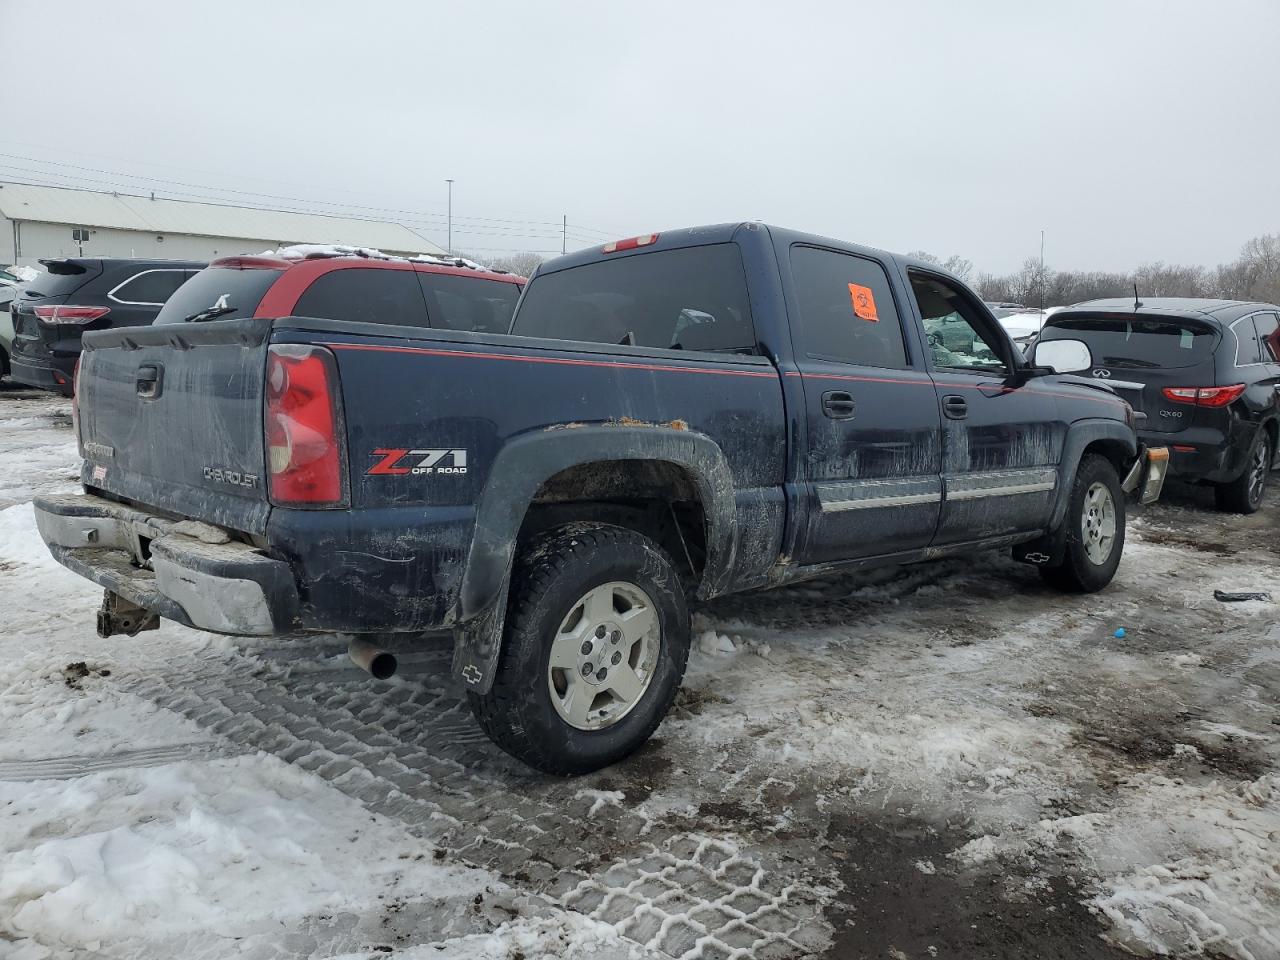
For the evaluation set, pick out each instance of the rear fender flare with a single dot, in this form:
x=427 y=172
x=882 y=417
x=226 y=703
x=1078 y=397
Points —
x=521 y=467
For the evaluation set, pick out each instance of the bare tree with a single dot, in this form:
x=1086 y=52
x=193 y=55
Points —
x=962 y=267
x=522 y=264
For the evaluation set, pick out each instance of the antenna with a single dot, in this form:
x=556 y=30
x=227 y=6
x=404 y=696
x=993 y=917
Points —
x=1137 y=304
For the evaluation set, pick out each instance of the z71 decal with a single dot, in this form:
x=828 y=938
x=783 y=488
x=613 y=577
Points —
x=397 y=462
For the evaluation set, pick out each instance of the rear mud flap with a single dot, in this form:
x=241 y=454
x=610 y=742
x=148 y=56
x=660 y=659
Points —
x=477 y=645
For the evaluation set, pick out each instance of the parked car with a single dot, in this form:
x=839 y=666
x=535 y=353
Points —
x=1203 y=377
x=445 y=293
x=6 y=328
x=72 y=297
x=673 y=417
x=9 y=279
x=1000 y=308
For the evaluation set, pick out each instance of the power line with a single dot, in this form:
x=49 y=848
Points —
x=464 y=230
x=423 y=216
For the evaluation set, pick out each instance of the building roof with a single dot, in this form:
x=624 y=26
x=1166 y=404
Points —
x=88 y=208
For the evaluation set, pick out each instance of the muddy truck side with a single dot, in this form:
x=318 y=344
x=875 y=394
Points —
x=671 y=418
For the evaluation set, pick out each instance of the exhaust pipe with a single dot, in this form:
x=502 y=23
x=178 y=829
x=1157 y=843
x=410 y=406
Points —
x=372 y=660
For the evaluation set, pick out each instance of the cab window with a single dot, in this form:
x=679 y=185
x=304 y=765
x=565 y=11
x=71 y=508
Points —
x=960 y=336
x=847 y=312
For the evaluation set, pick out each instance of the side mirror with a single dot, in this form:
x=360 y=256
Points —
x=1063 y=356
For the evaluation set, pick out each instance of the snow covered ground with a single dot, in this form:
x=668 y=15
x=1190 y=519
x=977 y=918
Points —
x=946 y=761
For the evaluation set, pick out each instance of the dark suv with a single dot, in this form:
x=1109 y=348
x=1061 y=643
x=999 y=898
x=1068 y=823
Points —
x=448 y=294
x=76 y=295
x=1203 y=377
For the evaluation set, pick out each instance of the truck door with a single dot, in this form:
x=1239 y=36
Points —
x=872 y=463
x=1002 y=438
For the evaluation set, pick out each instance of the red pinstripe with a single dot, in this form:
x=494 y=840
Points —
x=566 y=361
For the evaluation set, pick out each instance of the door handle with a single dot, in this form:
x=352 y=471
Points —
x=838 y=405
x=955 y=408
x=150 y=380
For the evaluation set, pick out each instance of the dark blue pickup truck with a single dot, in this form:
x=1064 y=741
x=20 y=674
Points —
x=672 y=417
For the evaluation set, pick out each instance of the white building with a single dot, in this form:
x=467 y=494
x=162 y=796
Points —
x=38 y=222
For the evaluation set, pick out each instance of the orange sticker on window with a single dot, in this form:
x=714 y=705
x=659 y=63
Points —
x=864 y=302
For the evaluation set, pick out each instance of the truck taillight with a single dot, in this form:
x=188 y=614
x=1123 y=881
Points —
x=1204 y=396
x=304 y=432
x=69 y=315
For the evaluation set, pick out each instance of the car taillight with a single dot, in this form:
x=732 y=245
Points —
x=70 y=314
x=1204 y=396
x=304 y=432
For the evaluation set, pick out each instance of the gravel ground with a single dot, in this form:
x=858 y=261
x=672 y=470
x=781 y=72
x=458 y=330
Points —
x=946 y=760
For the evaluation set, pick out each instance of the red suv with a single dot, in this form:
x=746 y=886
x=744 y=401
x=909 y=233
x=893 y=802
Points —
x=424 y=292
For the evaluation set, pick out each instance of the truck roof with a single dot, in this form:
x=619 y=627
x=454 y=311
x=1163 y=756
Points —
x=721 y=233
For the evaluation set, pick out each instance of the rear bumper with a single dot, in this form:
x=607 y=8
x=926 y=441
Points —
x=47 y=376
x=188 y=572
x=1206 y=454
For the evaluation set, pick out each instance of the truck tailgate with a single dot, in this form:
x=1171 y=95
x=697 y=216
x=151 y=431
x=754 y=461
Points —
x=171 y=417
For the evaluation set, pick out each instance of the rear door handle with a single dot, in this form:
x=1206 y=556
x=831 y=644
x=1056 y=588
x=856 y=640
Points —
x=150 y=380
x=838 y=405
x=955 y=408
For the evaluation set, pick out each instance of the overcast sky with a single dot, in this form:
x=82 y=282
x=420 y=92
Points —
x=1128 y=130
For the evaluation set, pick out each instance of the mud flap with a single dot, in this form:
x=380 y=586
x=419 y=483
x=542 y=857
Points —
x=477 y=645
x=1045 y=551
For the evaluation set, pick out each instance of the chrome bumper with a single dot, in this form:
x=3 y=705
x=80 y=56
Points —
x=1147 y=474
x=186 y=571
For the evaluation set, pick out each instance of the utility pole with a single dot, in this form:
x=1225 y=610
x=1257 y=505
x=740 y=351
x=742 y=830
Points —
x=1042 y=279
x=564 y=231
x=449 y=242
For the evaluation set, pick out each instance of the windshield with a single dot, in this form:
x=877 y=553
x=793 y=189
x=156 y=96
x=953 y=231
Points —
x=218 y=293
x=1136 y=342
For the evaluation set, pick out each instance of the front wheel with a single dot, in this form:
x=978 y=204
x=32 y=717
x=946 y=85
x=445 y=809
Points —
x=1095 y=529
x=1244 y=494
x=595 y=646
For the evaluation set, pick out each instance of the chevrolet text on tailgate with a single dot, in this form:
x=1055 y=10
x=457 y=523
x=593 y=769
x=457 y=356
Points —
x=671 y=418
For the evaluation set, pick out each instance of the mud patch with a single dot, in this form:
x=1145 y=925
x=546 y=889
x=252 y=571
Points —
x=74 y=674
x=901 y=898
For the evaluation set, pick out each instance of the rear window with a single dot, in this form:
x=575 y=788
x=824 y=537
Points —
x=690 y=299
x=365 y=295
x=463 y=303
x=1136 y=342
x=218 y=293
x=61 y=277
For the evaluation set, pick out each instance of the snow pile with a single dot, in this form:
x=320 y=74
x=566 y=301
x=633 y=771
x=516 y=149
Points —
x=309 y=251
x=188 y=846
x=1196 y=868
x=566 y=936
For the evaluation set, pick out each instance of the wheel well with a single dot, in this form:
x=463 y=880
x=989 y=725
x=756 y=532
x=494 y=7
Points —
x=1113 y=450
x=1273 y=428
x=654 y=497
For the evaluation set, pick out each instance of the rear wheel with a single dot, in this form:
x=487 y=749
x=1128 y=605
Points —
x=1244 y=494
x=1095 y=529
x=595 y=647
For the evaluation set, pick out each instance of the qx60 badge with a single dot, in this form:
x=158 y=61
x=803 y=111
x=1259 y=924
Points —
x=397 y=462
